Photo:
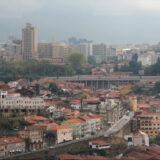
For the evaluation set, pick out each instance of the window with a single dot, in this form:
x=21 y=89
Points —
x=129 y=139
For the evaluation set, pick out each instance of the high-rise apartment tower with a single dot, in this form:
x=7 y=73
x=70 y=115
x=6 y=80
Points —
x=29 y=42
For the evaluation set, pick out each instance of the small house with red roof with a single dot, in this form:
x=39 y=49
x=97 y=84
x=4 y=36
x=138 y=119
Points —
x=10 y=146
x=37 y=120
x=75 y=104
x=91 y=103
x=136 y=139
x=35 y=136
x=99 y=144
x=77 y=125
x=63 y=133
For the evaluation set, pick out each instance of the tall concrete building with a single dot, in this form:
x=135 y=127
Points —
x=60 y=51
x=29 y=43
x=85 y=48
x=12 y=48
x=99 y=52
x=72 y=48
x=45 y=50
x=110 y=52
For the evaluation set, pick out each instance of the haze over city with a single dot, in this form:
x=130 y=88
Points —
x=80 y=79
x=109 y=21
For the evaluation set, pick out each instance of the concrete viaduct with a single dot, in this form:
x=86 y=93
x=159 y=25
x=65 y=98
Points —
x=107 y=82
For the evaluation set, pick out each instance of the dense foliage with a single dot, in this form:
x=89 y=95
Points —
x=32 y=69
x=91 y=60
x=53 y=88
x=132 y=66
x=78 y=62
x=154 y=69
x=155 y=140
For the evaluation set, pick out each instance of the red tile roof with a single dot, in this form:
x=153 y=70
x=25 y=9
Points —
x=138 y=135
x=74 y=120
x=144 y=105
x=75 y=102
x=114 y=94
x=67 y=110
x=30 y=121
x=86 y=117
x=99 y=142
x=95 y=116
x=9 y=140
x=52 y=124
x=48 y=103
x=91 y=100
x=83 y=157
x=39 y=118
x=60 y=127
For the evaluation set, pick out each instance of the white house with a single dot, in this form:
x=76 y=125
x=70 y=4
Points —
x=136 y=139
x=99 y=144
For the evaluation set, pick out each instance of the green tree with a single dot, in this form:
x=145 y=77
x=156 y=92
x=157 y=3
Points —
x=27 y=141
x=137 y=89
x=153 y=70
x=32 y=69
x=132 y=66
x=158 y=139
x=23 y=123
x=53 y=88
x=91 y=60
x=135 y=57
x=50 y=137
x=37 y=89
x=77 y=60
x=116 y=69
x=157 y=87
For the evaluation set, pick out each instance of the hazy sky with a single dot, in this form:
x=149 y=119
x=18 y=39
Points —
x=110 y=21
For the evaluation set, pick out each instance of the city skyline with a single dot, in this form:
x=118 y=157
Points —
x=112 y=22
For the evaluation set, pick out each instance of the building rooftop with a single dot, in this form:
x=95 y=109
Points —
x=81 y=157
x=91 y=100
x=8 y=140
x=74 y=120
x=60 y=127
x=99 y=142
x=39 y=118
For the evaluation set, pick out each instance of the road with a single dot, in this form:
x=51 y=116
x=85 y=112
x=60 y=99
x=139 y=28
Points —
x=119 y=125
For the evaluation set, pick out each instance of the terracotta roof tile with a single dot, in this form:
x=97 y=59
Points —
x=100 y=142
x=60 y=127
x=9 y=140
x=39 y=118
x=91 y=100
x=74 y=120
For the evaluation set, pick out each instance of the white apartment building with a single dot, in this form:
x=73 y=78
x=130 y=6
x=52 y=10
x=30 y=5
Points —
x=12 y=48
x=148 y=58
x=63 y=133
x=85 y=48
x=77 y=125
x=11 y=146
x=110 y=52
x=17 y=102
x=99 y=52
x=85 y=126
x=111 y=110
